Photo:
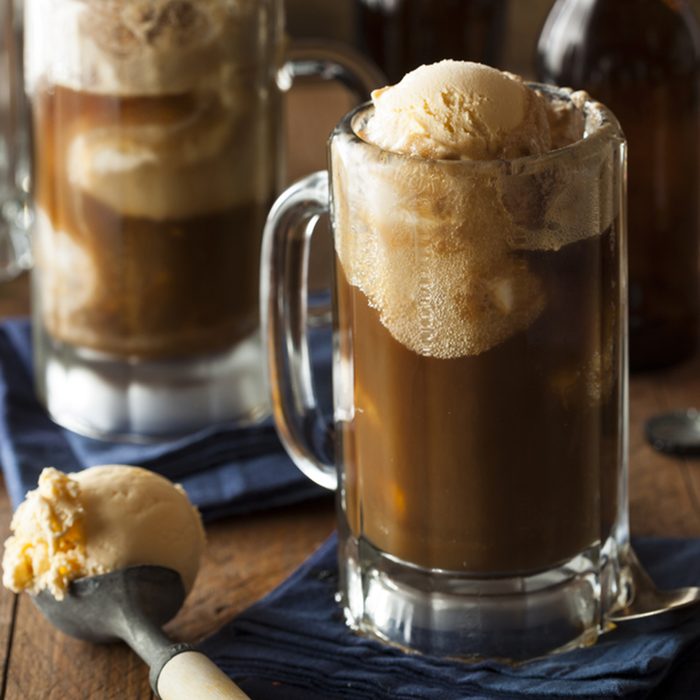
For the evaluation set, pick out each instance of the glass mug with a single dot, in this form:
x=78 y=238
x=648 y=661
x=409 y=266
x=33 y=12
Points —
x=157 y=139
x=478 y=444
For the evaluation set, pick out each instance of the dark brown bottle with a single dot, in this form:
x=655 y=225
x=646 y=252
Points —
x=642 y=59
x=400 y=35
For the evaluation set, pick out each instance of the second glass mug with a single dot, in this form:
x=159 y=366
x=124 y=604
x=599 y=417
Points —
x=478 y=444
x=157 y=130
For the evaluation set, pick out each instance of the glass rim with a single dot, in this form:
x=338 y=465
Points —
x=601 y=127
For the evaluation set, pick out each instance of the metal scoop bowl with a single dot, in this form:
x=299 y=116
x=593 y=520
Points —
x=131 y=605
x=650 y=608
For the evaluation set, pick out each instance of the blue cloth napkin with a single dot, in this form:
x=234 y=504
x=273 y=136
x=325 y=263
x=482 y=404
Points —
x=225 y=471
x=294 y=644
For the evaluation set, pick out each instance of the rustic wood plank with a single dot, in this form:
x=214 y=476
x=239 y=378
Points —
x=14 y=297
x=46 y=664
x=681 y=390
x=8 y=600
x=664 y=490
x=660 y=501
x=14 y=301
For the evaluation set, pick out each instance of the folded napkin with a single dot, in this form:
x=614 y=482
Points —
x=225 y=470
x=294 y=644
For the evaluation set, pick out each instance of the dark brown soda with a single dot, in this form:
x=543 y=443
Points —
x=492 y=463
x=642 y=59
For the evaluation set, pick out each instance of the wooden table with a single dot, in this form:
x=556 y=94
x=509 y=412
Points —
x=248 y=556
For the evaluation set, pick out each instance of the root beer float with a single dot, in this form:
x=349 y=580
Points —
x=156 y=146
x=478 y=318
x=479 y=365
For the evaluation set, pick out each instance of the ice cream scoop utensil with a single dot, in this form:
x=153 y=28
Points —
x=650 y=608
x=131 y=605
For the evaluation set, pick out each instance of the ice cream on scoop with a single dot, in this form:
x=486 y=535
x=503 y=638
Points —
x=462 y=111
x=100 y=520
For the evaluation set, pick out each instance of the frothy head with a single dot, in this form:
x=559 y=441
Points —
x=462 y=111
x=436 y=238
x=137 y=47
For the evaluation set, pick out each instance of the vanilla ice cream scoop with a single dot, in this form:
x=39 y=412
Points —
x=459 y=110
x=100 y=520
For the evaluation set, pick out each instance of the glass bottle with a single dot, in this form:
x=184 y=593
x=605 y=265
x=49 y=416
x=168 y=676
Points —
x=642 y=59
x=400 y=35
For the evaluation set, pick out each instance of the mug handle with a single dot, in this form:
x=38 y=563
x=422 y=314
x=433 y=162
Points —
x=304 y=432
x=326 y=61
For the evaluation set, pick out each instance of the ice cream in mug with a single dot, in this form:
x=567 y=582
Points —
x=100 y=520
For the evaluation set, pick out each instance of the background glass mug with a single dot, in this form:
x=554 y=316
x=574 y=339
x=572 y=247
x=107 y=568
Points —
x=157 y=142
x=479 y=377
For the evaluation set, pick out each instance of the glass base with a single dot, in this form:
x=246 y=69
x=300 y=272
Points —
x=140 y=401
x=457 y=615
x=615 y=592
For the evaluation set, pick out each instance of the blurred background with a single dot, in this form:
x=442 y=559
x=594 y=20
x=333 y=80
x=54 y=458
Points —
x=337 y=19
x=639 y=57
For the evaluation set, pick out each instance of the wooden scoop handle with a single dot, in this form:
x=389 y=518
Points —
x=192 y=676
